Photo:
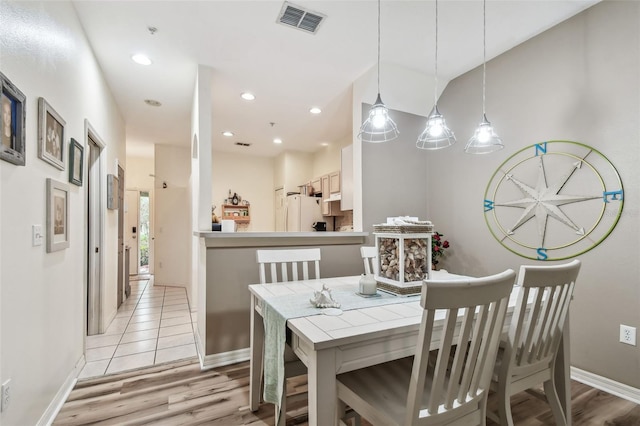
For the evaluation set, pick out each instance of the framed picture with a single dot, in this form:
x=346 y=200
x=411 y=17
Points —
x=112 y=192
x=50 y=135
x=12 y=126
x=57 y=215
x=76 y=161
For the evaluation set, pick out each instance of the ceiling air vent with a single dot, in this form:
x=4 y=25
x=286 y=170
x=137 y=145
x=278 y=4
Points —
x=242 y=144
x=298 y=17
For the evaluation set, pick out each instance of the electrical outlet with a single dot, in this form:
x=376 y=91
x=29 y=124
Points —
x=628 y=334
x=6 y=395
x=36 y=235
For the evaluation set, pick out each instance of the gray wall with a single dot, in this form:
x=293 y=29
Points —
x=230 y=270
x=394 y=174
x=577 y=81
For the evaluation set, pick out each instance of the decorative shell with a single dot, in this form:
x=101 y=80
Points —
x=323 y=299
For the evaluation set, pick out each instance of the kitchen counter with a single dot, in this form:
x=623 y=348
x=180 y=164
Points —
x=277 y=239
x=227 y=265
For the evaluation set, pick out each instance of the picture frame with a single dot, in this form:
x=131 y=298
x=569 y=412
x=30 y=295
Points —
x=57 y=215
x=13 y=122
x=76 y=162
x=112 y=192
x=51 y=135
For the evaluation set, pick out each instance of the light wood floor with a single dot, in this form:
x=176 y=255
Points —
x=181 y=394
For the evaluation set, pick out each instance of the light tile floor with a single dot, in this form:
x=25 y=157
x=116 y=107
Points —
x=154 y=325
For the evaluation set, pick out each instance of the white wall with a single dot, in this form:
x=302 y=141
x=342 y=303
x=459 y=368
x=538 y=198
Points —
x=298 y=168
x=43 y=295
x=200 y=185
x=172 y=217
x=137 y=174
x=252 y=178
x=327 y=159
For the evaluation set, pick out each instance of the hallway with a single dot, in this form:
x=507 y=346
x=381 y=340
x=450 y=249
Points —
x=153 y=326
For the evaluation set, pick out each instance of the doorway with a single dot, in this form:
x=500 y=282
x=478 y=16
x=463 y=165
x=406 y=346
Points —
x=139 y=231
x=94 y=197
x=145 y=237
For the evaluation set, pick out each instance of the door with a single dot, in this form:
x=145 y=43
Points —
x=132 y=199
x=121 y=280
x=94 y=233
x=144 y=232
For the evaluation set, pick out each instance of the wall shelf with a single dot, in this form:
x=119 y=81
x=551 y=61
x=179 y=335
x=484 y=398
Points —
x=239 y=213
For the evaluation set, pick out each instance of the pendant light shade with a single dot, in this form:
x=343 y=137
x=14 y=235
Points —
x=484 y=140
x=436 y=134
x=378 y=127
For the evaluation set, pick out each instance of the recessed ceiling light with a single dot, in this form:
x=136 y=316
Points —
x=152 y=102
x=277 y=140
x=315 y=110
x=325 y=144
x=227 y=133
x=141 y=59
x=248 y=96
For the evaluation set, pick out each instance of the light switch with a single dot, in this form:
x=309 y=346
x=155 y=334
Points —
x=36 y=235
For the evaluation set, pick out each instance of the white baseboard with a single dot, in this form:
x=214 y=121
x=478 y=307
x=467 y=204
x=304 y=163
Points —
x=226 y=358
x=221 y=359
x=614 y=388
x=61 y=396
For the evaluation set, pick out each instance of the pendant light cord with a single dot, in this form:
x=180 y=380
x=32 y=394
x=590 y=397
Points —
x=378 y=46
x=484 y=54
x=435 y=91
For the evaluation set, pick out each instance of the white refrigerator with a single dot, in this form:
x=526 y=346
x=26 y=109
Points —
x=302 y=212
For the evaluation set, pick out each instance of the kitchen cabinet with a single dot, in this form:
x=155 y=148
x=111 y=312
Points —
x=334 y=182
x=330 y=208
x=239 y=213
x=317 y=185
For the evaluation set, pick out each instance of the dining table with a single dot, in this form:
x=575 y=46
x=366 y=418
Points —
x=364 y=331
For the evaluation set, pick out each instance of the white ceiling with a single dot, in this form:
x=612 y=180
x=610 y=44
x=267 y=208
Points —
x=287 y=69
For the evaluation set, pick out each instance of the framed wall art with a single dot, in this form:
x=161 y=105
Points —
x=112 y=192
x=76 y=162
x=12 y=126
x=57 y=215
x=51 y=129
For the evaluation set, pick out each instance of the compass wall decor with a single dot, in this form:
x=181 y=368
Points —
x=553 y=200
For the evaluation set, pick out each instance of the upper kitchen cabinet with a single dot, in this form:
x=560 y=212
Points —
x=316 y=184
x=331 y=200
x=334 y=183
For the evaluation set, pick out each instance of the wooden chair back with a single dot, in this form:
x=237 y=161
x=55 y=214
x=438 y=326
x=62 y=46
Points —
x=536 y=330
x=369 y=259
x=287 y=262
x=459 y=381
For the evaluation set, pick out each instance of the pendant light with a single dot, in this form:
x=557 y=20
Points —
x=436 y=134
x=484 y=139
x=378 y=127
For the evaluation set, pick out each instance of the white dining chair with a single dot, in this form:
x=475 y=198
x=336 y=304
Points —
x=276 y=266
x=528 y=353
x=369 y=259
x=452 y=388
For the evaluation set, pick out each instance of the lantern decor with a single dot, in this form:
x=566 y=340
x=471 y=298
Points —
x=403 y=255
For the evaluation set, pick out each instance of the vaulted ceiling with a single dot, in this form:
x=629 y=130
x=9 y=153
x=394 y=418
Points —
x=288 y=70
